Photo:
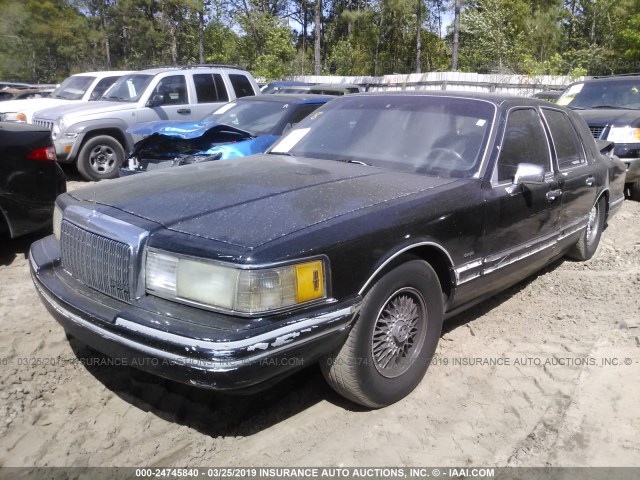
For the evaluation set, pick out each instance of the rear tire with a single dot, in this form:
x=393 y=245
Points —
x=100 y=158
x=393 y=340
x=586 y=247
x=633 y=190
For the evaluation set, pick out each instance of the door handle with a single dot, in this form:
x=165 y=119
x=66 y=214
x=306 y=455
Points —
x=553 y=194
x=184 y=111
x=590 y=181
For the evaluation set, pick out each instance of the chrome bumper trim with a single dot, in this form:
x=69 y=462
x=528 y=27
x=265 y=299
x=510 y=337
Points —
x=266 y=344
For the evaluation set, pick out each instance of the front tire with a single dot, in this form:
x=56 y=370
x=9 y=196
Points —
x=100 y=158
x=393 y=340
x=586 y=247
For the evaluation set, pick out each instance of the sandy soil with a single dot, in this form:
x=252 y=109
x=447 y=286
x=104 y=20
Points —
x=546 y=373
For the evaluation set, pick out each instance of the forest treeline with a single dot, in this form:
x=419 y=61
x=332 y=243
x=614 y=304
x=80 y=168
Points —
x=43 y=41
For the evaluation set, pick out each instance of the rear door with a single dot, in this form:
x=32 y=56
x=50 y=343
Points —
x=210 y=92
x=577 y=177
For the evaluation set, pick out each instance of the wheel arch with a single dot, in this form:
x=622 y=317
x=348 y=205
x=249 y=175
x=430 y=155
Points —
x=113 y=132
x=604 y=194
x=431 y=252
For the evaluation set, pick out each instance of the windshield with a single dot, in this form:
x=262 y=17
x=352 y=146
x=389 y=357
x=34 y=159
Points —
x=128 y=88
x=73 y=88
x=435 y=135
x=255 y=117
x=618 y=93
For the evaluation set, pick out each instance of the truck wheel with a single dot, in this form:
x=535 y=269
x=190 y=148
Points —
x=100 y=157
x=393 y=340
x=586 y=247
x=633 y=190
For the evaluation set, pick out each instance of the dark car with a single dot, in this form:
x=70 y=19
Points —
x=277 y=86
x=548 y=95
x=611 y=108
x=30 y=179
x=24 y=93
x=240 y=128
x=363 y=228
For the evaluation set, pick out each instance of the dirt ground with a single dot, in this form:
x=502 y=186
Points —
x=545 y=374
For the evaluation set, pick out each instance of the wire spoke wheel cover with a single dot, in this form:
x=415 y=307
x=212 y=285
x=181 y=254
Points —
x=593 y=224
x=399 y=332
x=390 y=346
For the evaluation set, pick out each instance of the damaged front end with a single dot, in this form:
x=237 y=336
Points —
x=170 y=146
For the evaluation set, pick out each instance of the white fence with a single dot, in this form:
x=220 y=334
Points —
x=471 y=82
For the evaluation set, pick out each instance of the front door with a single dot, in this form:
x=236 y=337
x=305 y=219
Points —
x=521 y=220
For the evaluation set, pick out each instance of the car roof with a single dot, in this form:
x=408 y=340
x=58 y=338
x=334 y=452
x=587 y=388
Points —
x=287 y=83
x=337 y=85
x=288 y=98
x=103 y=73
x=158 y=70
x=499 y=99
x=611 y=78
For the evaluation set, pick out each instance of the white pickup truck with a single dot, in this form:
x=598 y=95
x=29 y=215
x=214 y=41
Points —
x=82 y=87
x=94 y=136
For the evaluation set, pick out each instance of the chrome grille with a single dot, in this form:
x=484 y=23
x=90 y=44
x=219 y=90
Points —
x=596 y=131
x=43 y=123
x=97 y=261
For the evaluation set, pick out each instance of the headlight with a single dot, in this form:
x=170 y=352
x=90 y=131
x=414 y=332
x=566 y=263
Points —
x=57 y=221
x=624 y=135
x=57 y=128
x=15 y=117
x=234 y=289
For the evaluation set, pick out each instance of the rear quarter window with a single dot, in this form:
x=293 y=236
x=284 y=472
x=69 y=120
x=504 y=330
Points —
x=241 y=85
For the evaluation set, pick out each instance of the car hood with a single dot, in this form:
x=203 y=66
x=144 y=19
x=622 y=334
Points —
x=609 y=116
x=30 y=105
x=84 y=109
x=251 y=201
x=184 y=130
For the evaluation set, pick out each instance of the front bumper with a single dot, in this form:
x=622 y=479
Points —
x=67 y=148
x=210 y=358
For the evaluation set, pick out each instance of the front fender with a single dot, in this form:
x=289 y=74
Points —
x=105 y=124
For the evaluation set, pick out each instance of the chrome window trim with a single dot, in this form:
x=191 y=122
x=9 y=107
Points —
x=553 y=143
x=548 y=173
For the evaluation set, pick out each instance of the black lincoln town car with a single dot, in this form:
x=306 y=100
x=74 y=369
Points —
x=347 y=244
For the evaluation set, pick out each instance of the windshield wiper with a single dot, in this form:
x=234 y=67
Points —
x=113 y=97
x=357 y=162
x=613 y=106
x=286 y=154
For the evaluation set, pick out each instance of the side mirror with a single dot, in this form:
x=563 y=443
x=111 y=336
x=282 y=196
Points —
x=529 y=173
x=155 y=101
x=605 y=146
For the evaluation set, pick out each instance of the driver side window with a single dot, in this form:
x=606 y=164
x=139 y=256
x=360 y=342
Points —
x=171 y=90
x=524 y=141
